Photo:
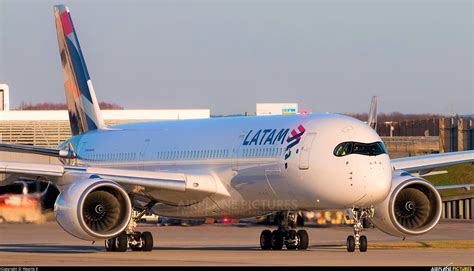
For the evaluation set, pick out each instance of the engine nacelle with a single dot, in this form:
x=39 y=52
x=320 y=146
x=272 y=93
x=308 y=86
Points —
x=413 y=207
x=93 y=209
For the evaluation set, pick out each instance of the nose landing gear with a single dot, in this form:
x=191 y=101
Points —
x=285 y=234
x=357 y=240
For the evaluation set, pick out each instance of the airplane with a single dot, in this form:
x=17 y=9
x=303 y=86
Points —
x=234 y=167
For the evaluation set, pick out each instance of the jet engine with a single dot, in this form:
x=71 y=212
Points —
x=413 y=207
x=93 y=209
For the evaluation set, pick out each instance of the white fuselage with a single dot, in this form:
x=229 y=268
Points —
x=260 y=164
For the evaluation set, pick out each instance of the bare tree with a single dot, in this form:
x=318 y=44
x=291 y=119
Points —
x=61 y=106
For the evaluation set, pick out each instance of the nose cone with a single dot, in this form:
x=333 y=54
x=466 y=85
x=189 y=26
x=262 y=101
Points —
x=372 y=178
x=355 y=181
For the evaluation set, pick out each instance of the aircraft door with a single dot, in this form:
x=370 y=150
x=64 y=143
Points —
x=236 y=149
x=141 y=154
x=305 y=150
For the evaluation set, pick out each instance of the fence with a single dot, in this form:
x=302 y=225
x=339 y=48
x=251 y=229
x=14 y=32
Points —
x=458 y=207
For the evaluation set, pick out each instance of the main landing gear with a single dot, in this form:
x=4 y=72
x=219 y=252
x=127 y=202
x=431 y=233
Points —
x=285 y=234
x=357 y=240
x=136 y=241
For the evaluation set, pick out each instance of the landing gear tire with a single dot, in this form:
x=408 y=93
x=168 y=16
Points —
x=121 y=242
x=147 y=241
x=292 y=236
x=137 y=247
x=363 y=243
x=350 y=243
x=110 y=244
x=303 y=239
x=277 y=240
x=286 y=235
x=266 y=240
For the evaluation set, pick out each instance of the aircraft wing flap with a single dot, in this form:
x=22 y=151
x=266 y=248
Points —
x=432 y=160
x=31 y=169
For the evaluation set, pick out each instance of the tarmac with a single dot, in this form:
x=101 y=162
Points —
x=47 y=244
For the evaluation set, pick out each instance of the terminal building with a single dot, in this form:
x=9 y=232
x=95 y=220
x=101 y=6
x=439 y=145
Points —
x=48 y=128
x=267 y=109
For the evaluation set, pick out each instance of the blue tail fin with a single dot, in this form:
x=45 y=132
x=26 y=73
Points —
x=84 y=111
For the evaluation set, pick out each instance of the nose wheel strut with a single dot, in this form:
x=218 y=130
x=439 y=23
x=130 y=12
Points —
x=357 y=240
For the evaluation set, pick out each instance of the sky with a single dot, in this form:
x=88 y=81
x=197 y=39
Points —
x=328 y=56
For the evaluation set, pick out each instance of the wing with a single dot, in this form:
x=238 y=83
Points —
x=37 y=150
x=426 y=162
x=203 y=183
x=429 y=172
x=10 y=171
x=453 y=186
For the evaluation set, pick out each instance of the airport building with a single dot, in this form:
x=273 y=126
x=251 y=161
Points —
x=4 y=97
x=48 y=128
x=267 y=109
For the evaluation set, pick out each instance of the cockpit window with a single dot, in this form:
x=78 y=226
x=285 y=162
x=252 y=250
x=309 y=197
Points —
x=370 y=149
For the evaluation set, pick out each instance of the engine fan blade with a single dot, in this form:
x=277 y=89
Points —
x=101 y=211
x=412 y=208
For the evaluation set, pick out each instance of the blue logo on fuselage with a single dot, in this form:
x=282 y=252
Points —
x=270 y=137
x=265 y=137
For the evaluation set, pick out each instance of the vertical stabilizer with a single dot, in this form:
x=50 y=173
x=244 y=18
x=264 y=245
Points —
x=372 y=121
x=84 y=111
